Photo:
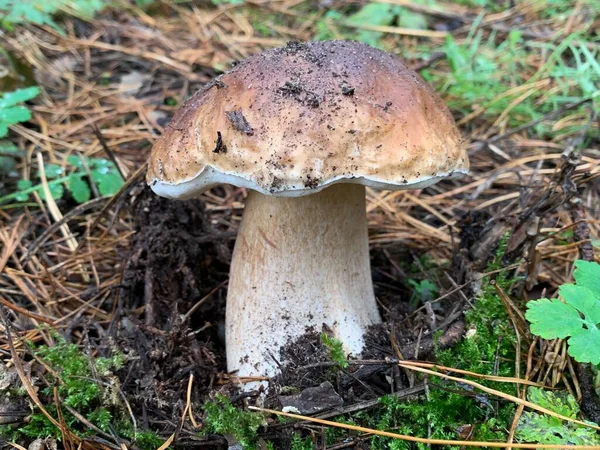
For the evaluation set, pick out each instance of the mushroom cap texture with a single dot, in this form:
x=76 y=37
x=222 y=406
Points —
x=294 y=120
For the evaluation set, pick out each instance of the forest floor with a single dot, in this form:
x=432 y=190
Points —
x=113 y=299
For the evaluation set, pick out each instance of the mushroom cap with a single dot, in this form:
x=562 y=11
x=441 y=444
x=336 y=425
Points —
x=294 y=120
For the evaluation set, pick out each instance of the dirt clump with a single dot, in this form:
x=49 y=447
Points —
x=176 y=259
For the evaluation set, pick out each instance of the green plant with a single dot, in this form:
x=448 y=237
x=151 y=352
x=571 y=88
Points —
x=77 y=388
x=102 y=172
x=227 y=2
x=144 y=440
x=299 y=443
x=221 y=417
x=545 y=429
x=491 y=78
x=423 y=291
x=488 y=350
x=336 y=350
x=11 y=112
x=148 y=440
x=576 y=317
x=39 y=12
x=372 y=14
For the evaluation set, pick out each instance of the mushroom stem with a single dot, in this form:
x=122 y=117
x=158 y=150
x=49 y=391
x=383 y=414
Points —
x=298 y=263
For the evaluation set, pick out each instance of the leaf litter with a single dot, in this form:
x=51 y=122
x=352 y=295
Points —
x=150 y=262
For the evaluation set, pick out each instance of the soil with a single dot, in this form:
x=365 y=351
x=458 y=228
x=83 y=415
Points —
x=176 y=259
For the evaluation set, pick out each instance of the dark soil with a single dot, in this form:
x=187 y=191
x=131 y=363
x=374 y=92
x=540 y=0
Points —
x=176 y=260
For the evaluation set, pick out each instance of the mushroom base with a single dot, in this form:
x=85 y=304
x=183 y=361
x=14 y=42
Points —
x=298 y=263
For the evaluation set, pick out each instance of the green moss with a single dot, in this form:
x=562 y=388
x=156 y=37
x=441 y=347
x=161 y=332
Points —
x=79 y=390
x=449 y=407
x=336 y=350
x=148 y=440
x=224 y=418
x=299 y=443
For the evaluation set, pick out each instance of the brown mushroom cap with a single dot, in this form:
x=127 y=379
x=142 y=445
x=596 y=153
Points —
x=291 y=121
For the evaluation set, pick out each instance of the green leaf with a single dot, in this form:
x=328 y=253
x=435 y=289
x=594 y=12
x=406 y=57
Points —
x=109 y=184
x=19 y=96
x=143 y=3
x=552 y=319
x=7 y=165
x=560 y=403
x=21 y=197
x=544 y=429
x=53 y=170
x=411 y=19
x=56 y=191
x=583 y=299
x=584 y=345
x=75 y=161
x=11 y=116
x=587 y=274
x=24 y=184
x=10 y=113
x=102 y=165
x=9 y=147
x=373 y=14
x=40 y=11
x=80 y=190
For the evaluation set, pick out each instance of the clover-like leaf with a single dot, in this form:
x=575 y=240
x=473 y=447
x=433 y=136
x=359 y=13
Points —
x=108 y=183
x=577 y=318
x=79 y=188
x=23 y=185
x=57 y=190
x=19 y=96
x=552 y=319
x=583 y=299
x=10 y=112
x=8 y=162
x=587 y=274
x=584 y=345
x=53 y=170
x=75 y=161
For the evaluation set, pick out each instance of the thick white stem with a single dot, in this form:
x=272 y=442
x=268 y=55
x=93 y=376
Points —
x=298 y=263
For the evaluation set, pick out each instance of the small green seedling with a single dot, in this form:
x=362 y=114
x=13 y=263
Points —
x=11 y=112
x=577 y=317
x=102 y=172
x=423 y=291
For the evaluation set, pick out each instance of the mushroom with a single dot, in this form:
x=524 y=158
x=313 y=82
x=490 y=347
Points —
x=305 y=129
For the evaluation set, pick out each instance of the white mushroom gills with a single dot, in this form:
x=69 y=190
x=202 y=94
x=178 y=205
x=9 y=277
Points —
x=298 y=263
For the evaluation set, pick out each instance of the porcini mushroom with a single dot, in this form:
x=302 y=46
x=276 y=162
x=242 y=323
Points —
x=305 y=128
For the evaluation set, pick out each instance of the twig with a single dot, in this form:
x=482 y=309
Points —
x=78 y=210
x=421 y=440
x=107 y=149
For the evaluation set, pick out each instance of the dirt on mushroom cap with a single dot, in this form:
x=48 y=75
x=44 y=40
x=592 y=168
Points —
x=319 y=112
